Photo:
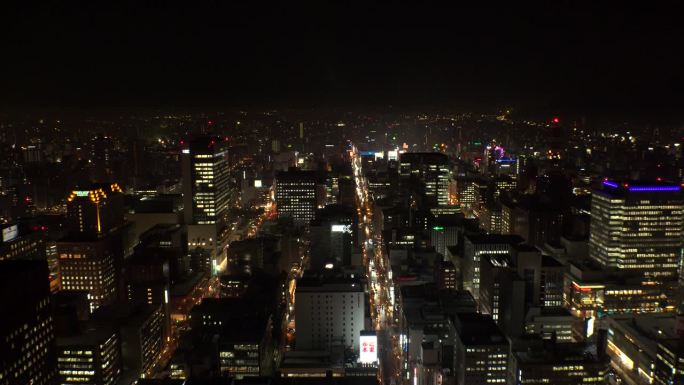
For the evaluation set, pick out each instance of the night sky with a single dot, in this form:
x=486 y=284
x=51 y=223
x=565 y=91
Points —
x=563 y=56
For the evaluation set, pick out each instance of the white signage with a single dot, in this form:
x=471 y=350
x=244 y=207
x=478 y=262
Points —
x=368 y=349
x=340 y=228
x=9 y=233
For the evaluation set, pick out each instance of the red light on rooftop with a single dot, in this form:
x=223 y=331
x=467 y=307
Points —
x=555 y=120
x=625 y=185
x=210 y=122
x=659 y=179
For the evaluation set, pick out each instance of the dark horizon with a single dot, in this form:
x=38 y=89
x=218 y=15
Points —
x=582 y=60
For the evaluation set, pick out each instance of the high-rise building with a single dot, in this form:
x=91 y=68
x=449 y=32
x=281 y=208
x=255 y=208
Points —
x=481 y=351
x=571 y=364
x=141 y=332
x=27 y=335
x=244 y=347
x=445 y=232
x=91 y=256
x=333 y=234
x=295 y=195
x=102 y=158
x=432 y=169
x=206 y=193
x=637 y=226
x=16 y=242
x=326 y=308
x=633 y=346
x=476 y=245
x=96 y=211
x=89 y=265
x=90 y=355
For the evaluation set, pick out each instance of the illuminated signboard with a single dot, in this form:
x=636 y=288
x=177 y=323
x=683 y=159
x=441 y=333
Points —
x=82 y=193
x=368 y=348
x=590 y=326
x=340 y=228
x=257 y=183
x=9 y=233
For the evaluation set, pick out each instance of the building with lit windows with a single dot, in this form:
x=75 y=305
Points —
x=481 y=351
x=15 y=242
x=141 y=332
x=445 y=232
x=333 y=234
x=637 y=226
x=27 y=335
x=552 y=324
x=446 y=276
x=432 y=169
x=570 y=364
x=295 y=195
x=95 y=212
x=89 y=265
x=669 y=367
x=592 y=292
x=326 y=308
x=206 y=193
x=91 y=256
x=476 y=245
x=633 y=344
x=90 y=355
x=502 y=184
x=239 y=332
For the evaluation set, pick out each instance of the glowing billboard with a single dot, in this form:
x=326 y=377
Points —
x=368 y=347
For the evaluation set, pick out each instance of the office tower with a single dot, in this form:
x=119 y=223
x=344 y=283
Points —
x=89 y=354
x=570 y=364
x=502 y=184
x=155 y=210
x=644 y=347
x=91 y=256
x=333 y=234
x=141 y=332
x=206 y=193
x=244 y=347
x=554 y=324
x=591 y=291
x=537 y=220
x=445 y=232
x=326 y=308
x=170 y=242
x=27 y=335
x=502 y=291
x=89 y=265
x=432 y=169
x=466 y=192
x=446 y=276
x=481 y=351
x=251 y=254
x=476 y=245
x=95 y=212
x=17 y=242
x=669 y=367
x=295 y=195
x=102 y=158
x=637 y=226
x=147 y=283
